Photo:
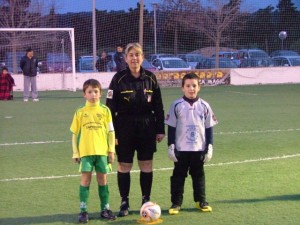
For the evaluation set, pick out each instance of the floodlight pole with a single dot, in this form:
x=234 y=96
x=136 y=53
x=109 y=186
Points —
x=94 y=35
x=63 y=54
x=155 y=35
x=282 y=36
x=141 y=23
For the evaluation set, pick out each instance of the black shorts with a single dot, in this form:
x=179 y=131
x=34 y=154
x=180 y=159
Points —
x=136 y=133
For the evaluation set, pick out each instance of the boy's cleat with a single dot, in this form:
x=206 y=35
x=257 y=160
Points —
x=174 y=210
x=107 y=214
x=83 y=217
x=124 y=209
x=35 y=100
x=203 y=206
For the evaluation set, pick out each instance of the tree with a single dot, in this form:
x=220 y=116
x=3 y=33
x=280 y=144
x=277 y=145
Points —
x=286 y=12
x=289 y=20
x=261 y=24
x=216 y=22
x=18 y=14
x=176 y=10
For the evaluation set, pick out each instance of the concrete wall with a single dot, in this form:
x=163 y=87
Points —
x=266 y=75
x=56 y=81
x=241 y=76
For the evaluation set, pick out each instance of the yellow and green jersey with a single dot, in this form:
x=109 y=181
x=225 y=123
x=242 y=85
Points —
x=92 y=124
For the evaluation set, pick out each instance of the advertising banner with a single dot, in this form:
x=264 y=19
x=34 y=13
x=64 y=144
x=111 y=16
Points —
x=207 y=77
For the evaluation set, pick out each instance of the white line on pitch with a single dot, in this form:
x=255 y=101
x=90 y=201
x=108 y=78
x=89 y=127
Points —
x=258 y=131
x=32 y=143
x=243 y=93
x=217 y=133
x=161 y=169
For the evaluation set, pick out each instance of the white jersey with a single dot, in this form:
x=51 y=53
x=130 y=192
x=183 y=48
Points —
x=190 y=122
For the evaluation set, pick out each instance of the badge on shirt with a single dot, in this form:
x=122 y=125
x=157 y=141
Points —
x=148 y=94
x=110 y=94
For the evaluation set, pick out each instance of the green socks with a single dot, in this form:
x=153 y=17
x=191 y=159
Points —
x=104 y=197
x=83 y=196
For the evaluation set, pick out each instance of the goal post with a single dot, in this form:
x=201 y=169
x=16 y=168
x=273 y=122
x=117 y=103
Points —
x=54 y=47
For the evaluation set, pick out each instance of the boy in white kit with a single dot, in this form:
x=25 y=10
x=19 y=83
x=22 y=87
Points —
x=190 y=140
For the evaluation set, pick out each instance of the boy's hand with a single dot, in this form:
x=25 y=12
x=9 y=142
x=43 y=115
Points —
x=171 y=153
x=111 y=157
x=159 y=137
x=76 y=160
x=209 y=154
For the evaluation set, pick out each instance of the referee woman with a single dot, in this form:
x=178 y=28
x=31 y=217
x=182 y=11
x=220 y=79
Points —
x=134 y=98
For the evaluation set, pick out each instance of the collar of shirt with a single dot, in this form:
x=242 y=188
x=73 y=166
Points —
x=92 y=104
x=191 y=101
x=141 y=77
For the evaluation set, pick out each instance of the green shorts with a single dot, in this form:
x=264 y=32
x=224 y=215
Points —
x=87 y=164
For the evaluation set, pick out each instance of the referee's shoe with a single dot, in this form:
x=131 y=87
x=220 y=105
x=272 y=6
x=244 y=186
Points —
x=124 y=209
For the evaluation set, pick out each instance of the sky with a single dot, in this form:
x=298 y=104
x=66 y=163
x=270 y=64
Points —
x=65 y=6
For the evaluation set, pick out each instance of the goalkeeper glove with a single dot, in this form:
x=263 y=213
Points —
x=209 y=154
x=171 y=153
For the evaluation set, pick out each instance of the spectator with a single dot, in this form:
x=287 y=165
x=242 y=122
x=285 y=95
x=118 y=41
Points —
x=6 y=85
x=101 y=64
x=134 y=98
x=119 y=58
x=29 y=65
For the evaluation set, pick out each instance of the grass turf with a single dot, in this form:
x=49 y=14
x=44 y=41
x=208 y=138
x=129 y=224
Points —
x=254 y=177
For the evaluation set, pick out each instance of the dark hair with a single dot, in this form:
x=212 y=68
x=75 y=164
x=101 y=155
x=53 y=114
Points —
x=93 y=83
x=4 y=68
x=190 y=76
x=29 y=49
x=120 y=45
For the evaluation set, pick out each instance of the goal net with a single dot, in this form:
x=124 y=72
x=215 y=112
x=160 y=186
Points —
x=53 y=47
x=207 y=35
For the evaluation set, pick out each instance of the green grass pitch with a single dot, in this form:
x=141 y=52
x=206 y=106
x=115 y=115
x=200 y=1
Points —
x=253 y=178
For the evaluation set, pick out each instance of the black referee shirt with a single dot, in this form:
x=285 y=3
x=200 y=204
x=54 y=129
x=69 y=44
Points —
x=138 y=97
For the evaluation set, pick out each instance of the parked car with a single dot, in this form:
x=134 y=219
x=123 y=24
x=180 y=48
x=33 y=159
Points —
x=252 y=53
x=9 y=61
x=233 y=56
x=57 y=62
x=259 y=62
x=161 y=55
x=167 y=64
x=284 y=53
x=286 y=60
x=85 y=63
x=256 y=54
x=192 y=59
x=210 y=63
x=148 y=66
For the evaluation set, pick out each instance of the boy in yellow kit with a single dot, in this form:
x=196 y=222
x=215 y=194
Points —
x=93 y=143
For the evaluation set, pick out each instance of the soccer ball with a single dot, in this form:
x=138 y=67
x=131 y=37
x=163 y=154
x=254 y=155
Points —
x=150 y=212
